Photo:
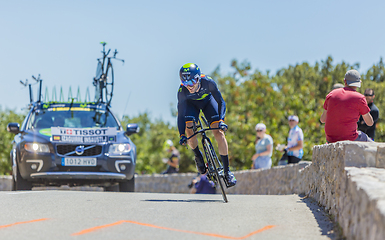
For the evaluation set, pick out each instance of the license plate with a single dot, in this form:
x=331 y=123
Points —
x=78 y=161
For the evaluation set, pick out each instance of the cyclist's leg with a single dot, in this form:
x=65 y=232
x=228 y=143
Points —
x=192 y=114
x=212 y=116
x=211 y=113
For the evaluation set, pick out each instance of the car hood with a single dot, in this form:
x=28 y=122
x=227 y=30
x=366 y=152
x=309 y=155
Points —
x=38 y=135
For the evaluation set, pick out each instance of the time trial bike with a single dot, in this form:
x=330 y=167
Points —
x=214 y=167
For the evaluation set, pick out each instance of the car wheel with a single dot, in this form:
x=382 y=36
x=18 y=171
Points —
x=19 y=183
x=127 y=186
x=112 y=188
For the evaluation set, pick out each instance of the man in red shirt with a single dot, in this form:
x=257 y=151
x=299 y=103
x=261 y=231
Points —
x=342 y=109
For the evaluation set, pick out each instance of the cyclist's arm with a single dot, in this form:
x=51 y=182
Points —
x=218 y=97
x=182 y=105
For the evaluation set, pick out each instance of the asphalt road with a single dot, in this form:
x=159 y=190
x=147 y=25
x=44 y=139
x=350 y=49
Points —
x=107 y=215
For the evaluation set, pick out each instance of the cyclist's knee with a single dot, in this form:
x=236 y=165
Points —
x=218 y=134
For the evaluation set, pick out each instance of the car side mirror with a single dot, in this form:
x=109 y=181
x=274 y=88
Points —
x=13 y=128
x=132 y=128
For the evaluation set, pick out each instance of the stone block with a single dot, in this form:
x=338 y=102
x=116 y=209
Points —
x=380 y=157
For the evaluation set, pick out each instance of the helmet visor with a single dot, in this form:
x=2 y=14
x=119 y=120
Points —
x=191 y=82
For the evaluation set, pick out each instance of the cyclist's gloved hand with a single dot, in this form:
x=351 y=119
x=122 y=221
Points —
x=222 y=126
x=183 y=140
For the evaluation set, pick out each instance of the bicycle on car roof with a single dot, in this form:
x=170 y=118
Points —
x=104 y=79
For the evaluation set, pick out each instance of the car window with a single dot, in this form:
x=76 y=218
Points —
x=87 y=118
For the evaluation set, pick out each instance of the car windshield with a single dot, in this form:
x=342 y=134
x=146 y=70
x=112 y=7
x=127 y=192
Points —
x=86 y=118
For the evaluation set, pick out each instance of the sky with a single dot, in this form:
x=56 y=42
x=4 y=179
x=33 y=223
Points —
x=60 y=40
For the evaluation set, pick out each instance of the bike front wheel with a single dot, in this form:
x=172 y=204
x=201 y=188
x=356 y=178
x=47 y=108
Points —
x=212 y=160
x=109 y=84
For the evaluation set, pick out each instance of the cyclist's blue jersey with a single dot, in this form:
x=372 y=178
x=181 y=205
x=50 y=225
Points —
x=199 y=99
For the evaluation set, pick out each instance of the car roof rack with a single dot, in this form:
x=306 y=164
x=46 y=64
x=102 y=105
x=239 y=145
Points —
x=103 y=82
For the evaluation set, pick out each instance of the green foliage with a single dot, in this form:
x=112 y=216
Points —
x=6 y=138
x=250 y=98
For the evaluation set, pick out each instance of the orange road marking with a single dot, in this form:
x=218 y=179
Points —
x=17 y=223
x=97 y=228
x=172 y=229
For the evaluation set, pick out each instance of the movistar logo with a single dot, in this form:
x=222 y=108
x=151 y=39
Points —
x=83 y=105
x=203 y=96
x=45 y=105
x=186 y=69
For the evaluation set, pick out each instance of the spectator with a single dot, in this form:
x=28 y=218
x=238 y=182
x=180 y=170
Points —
x=201 y=185
x=342 y=109
x=369 y=130
x=173 y=160
x=263 y=148
x=337 y=85
x=293 y=151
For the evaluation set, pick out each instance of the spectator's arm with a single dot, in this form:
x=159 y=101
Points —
x=265 y=153
x=368 y=119
x=375 y=115
x=298 y=147
x=174 y=163
x=323 y=116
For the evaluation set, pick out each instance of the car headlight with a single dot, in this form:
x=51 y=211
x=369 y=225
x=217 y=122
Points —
x=118 y=149
x=37 y=147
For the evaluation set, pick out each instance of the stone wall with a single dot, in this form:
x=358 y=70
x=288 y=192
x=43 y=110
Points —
x=347 y=178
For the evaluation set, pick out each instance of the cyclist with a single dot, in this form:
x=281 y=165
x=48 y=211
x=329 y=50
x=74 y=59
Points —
x=199 y=92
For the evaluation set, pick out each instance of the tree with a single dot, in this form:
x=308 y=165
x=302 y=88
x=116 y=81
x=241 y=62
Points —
x=6 y=138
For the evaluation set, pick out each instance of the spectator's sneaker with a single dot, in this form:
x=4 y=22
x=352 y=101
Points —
x=200 y=165
x=230 y=179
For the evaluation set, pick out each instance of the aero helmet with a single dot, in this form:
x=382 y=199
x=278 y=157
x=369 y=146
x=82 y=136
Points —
x=189 y=74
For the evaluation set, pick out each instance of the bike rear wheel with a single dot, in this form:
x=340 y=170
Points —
x=212 y=160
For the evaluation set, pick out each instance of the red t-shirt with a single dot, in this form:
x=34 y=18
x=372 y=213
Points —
x=344 y=107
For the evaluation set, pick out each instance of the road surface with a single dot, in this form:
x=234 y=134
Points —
x=108 y=215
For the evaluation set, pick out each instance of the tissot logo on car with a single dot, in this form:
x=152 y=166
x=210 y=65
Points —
x=83 y=131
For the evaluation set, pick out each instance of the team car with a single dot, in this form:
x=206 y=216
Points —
x=73 y=144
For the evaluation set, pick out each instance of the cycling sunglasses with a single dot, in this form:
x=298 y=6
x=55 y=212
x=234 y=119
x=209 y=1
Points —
x=191 y=82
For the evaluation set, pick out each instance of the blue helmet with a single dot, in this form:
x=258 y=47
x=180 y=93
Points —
x=189 y=74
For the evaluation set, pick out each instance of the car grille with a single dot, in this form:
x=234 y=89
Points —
x=63 y=149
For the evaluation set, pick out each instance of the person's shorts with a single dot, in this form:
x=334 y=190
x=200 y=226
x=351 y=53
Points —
x=362 y=137
x=208 y=107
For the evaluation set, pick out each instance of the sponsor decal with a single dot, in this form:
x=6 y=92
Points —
x=45 y=132
x=56 y=138
x=68 y=108
x=83 y=135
